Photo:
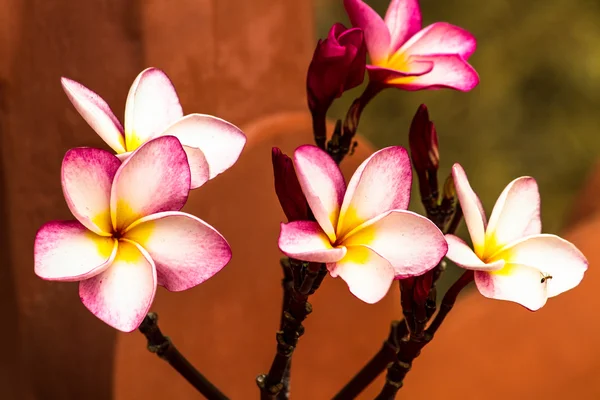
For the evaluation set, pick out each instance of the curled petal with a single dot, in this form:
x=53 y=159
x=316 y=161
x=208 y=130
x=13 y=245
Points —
x=199 y=168
x=122 y=295
x=367 y=274
x=152 y=105
x=405 y=69
x=306 y=241
x=514 y=282
x=322 y=184
x=449 y=71
x=551 y=256
x=68 y=251
x=515 y=215
x=403 y=19
x=441 y=38
x=220 y=141
x=471 y=208
x=155 y=178
x=380 y=184
x=462 y=255
x=87 y=175
x=412 y=244
x=186 y=250
x=96 y=113
x=377 y=34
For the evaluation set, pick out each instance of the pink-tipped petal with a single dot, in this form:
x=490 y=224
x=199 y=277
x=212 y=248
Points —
x=412 y=244
x=220 y=141
x=121 y=296
x=68 y=251
x=87 y=175
x=461 y=254
x=155 y=178
x=410 y=69
x=367 y=274
x=403 y=19
x=152 y=106
x=322 y=184
x=439 y=39
x=514 y=282
x=471 y=208
x=551 y=256
x=96 y=113
x=515 y=215
x=377 y=34
x=306 y=241
x=186 y=250
x=449 y=71
x=380 y=184
x=199 y=168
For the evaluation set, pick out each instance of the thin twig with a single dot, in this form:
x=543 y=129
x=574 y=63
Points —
x=165 y=349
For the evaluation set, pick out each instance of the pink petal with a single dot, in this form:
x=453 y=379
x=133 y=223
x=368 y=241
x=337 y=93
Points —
x=462 y=255
x=199 y=168
x=368 y=275
x=155 y=178
x=87 y=175
x=68 y=251
x=412 y=244
x=515 y=215
x=121 y=296
x=377 y=34
x=96 y=113
x=152 y=105
x=471 y=208
x=306 y=241
x=186 y=250
x=449 y=71
x=403 y=19
x=514 y=282
x=441 y=38
x=380 y=184
x=322 y=184
x=549 y=255
x=410 y=69
x=220 y=141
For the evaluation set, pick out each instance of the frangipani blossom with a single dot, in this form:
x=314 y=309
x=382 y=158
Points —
x=152 y=109
x=407 y=56
x=512 y=259
x=129 y=234
x=363 y=232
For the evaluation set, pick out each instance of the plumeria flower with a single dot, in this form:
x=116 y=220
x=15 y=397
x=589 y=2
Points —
x=512 y=259
x=405 y=56
x=152 y=109
x=129 y=235
x=363 y=232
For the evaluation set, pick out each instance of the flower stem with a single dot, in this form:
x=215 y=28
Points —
x=319 y=122
x=411 y=347
x=294 y=313
x=164 y=348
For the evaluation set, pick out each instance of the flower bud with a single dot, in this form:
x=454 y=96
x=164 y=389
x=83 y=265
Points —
x=338 y=64
x=288 y=188
x=423 y=142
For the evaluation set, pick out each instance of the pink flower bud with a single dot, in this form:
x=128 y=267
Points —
x=338 y=65
x=288 y=188
x=423 y=142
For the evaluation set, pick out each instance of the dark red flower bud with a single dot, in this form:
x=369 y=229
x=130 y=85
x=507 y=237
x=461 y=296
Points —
x=422 y=287
x=338 y=64
x=288 y=188
x=423 y=142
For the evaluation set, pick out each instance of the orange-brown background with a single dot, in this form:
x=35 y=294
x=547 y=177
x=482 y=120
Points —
x=534 y=113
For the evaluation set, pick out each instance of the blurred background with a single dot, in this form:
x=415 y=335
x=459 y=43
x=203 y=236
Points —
x=535 y=111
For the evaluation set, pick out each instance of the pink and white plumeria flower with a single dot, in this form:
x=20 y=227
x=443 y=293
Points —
x=512 y=259
x=129 y=235
x=152 y=109
x=363 y=232
x=405 y=56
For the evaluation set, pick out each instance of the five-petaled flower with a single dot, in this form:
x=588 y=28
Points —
x=363 y=232
x=405 y=56
x=152 y=109
x=129 y=234
x=511 y=258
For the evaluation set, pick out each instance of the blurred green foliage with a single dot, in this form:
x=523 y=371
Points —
x=533 y=113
